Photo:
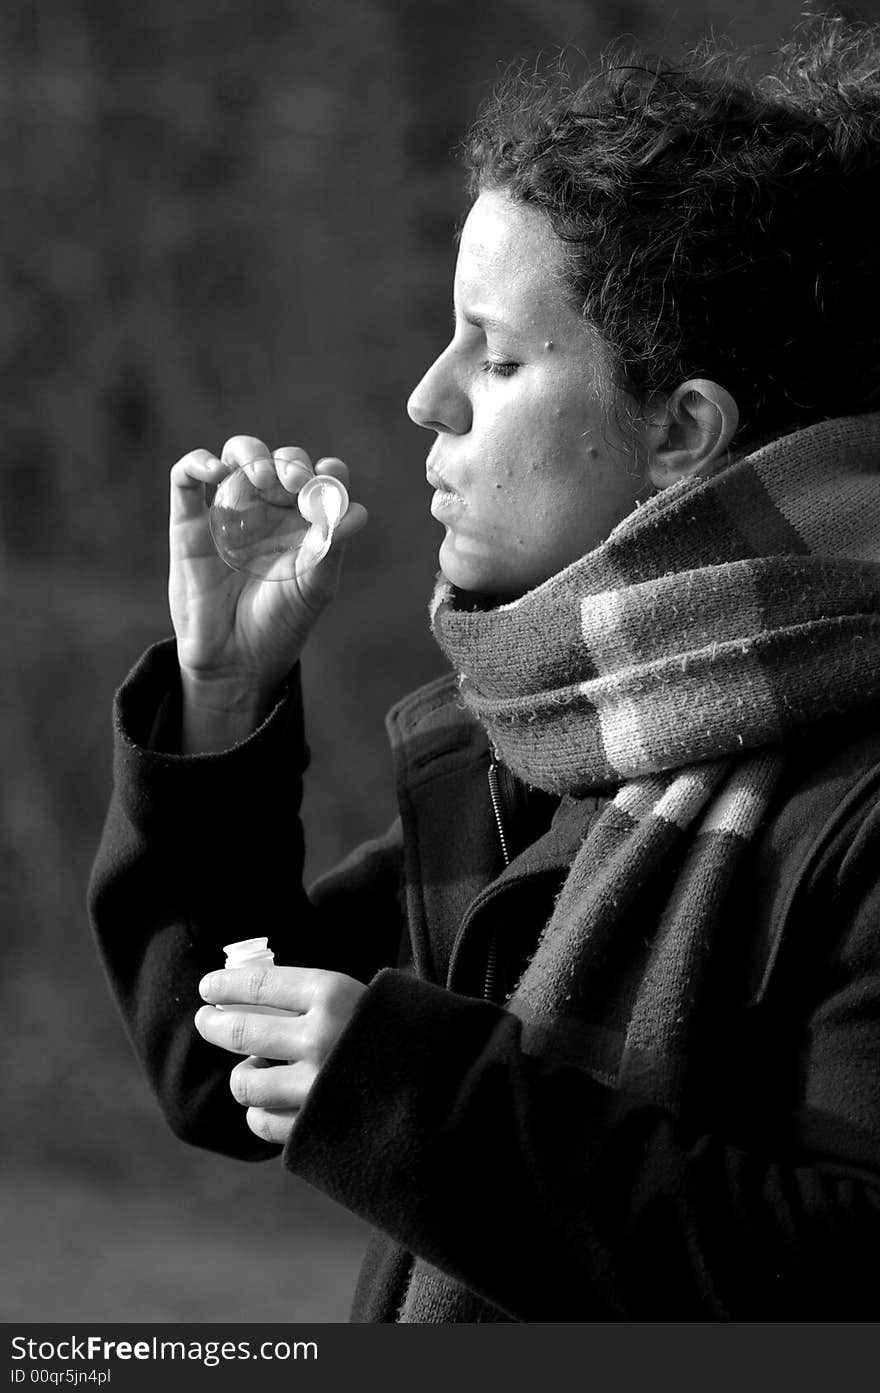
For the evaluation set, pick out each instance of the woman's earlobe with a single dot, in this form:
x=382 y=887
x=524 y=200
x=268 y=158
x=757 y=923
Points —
x=693 y=430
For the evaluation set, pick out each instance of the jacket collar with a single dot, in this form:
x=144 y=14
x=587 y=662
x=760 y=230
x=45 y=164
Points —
x=433 y=735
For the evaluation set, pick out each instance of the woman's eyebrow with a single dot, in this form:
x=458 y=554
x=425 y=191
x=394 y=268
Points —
x=484 y=321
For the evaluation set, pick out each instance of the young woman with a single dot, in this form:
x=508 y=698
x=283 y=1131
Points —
x=592 y=1033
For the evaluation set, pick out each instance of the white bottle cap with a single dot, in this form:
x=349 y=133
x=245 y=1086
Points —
x=248 y=950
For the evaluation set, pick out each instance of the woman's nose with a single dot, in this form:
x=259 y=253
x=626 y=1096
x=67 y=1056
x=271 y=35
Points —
x=439 y=402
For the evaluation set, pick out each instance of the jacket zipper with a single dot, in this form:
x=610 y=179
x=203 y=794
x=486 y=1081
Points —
x=490 y=980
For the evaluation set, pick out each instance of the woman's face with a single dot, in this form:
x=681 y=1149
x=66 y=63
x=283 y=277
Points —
x=529 y=470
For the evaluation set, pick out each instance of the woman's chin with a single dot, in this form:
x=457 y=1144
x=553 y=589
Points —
x=479 y=573
x=484 y=583
x=466 y=571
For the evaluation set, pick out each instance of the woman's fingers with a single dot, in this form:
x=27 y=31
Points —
x=254 y=458
x=316 y=1006
x=324 y=1002
x=273 y=1095
x=331 y=464
x=271 y=1126
x=255 y=1083
x=352 y=522
x=246 y=1032
x=189 y=477
x=290 y=988
x=289 y=466
x=293 y=466
x=356 y=516
x=240 y=451
x=278 y=476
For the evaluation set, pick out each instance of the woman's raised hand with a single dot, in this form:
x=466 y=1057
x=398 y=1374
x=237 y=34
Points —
x=238 y=636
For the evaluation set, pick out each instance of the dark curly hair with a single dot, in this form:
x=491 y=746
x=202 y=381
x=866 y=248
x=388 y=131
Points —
x=714 y=224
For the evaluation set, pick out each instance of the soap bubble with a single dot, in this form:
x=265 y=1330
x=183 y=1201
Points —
x=261 y=528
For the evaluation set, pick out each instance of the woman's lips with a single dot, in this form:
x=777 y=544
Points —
x=445 y=497
x=444 y=500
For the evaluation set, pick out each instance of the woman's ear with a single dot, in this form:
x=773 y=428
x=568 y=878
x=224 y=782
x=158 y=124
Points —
x=689 y=430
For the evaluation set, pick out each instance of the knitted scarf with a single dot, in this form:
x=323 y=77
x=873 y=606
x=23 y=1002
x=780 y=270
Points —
x=717 y=622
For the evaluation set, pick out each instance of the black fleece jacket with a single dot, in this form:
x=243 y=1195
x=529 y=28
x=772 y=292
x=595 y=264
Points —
x=537 y=1184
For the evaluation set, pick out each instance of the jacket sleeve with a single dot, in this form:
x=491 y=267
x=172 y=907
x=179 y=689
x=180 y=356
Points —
x=200 y=851
x=557 y=1198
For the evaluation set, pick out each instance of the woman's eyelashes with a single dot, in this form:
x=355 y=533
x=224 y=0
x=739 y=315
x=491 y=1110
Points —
x=496 y=369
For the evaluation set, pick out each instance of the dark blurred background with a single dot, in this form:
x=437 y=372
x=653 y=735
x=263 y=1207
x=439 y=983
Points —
x=219 y=217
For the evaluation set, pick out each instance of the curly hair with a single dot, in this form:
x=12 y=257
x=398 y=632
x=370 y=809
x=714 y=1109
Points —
x=713 y=224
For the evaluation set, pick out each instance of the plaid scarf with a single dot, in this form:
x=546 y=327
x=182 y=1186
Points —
x=720 y=620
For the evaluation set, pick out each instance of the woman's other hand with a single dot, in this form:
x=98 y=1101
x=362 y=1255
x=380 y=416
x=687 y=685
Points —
x=239 y=636
x=323 y=1004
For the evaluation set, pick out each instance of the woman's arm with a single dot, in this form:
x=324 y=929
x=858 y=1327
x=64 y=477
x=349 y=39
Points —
x=198 y=852
x=557 y=1198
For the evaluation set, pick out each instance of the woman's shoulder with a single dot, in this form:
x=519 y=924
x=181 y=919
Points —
x=432 y=733
x=830 y=794
x=433 y=722
x=832 y=777
x=437 y=698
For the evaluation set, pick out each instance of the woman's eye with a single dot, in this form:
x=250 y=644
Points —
x=499 y=369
